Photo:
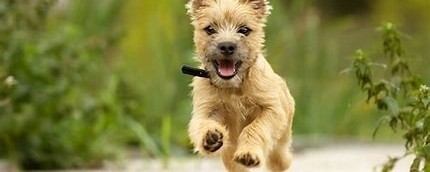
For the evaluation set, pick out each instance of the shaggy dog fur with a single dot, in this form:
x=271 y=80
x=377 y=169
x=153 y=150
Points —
x=245 y=110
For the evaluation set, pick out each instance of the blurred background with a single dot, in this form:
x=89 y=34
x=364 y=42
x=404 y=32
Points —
x=87 y=82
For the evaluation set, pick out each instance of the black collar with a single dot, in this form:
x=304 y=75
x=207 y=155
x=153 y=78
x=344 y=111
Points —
x=194 y=71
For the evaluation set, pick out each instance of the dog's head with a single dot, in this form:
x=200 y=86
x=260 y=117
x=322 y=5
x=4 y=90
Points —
x=228 y=36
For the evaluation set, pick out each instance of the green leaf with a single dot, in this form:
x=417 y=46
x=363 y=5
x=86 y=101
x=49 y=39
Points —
x=416 y=165
x=427 y=123
x=389 y=165
x=166 y=130
x=426 y=150
x=392 y=105
x=143 y=136
x=381 y=121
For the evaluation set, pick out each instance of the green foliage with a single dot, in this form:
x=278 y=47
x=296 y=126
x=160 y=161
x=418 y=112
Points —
x=400 y=95
x=59 y=104
x=73 y=86
x=156 y=44
x=302 y=46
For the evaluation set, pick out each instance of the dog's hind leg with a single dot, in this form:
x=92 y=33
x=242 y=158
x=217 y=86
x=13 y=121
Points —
x=279 y=158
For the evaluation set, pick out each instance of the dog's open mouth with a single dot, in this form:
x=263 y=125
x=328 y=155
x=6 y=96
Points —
x=226 y=68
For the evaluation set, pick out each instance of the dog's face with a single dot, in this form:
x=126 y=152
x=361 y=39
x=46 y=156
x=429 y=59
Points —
x=228 y=37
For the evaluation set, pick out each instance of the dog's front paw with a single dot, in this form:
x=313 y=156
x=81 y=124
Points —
x=247 y=159
x=213 y=140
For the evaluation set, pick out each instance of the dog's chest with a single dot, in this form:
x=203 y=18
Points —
x=241 y=108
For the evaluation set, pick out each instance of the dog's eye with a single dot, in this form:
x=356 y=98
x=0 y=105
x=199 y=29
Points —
x=244 y=30
x=209 y=30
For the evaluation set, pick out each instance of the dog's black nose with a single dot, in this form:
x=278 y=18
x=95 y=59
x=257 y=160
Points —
x=227 y=48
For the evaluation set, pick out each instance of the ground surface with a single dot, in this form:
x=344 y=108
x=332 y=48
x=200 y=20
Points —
x=331 y=158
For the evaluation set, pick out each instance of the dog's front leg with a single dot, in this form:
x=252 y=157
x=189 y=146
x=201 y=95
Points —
x=206 y=130
x=258 y=137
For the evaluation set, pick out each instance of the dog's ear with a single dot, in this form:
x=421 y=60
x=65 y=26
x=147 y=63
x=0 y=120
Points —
x=262 y=7
x=194 y=6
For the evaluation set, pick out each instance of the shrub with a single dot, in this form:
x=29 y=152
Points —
x=59 y=100
x=400 y=95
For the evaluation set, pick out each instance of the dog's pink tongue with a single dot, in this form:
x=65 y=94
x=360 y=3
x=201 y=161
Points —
x=226 y=68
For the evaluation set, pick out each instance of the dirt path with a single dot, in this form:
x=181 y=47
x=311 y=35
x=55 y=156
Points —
x=334 y=158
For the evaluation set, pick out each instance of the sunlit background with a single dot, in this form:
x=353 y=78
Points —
x=85 y=82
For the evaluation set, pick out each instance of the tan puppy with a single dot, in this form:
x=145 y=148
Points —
x=245 y=110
